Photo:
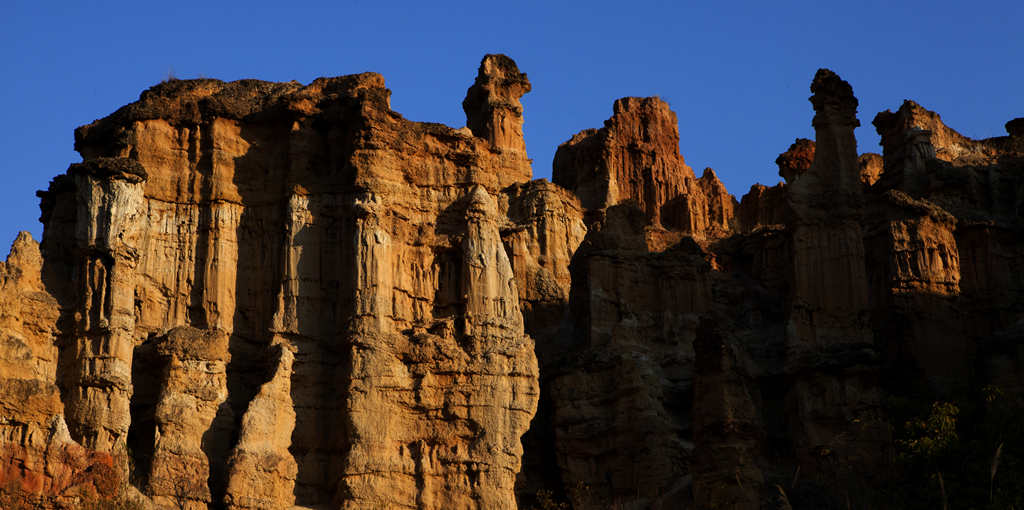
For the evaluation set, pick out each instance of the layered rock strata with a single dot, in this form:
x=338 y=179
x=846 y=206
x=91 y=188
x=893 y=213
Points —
x=947 y=235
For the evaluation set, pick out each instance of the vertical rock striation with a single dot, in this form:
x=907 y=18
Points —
x=837 y=423
x=324 y=284
x=262 y=470
x=620 y=384
x=635 y=157
x=96 y=365
x=256 y=295
x=193 y=385
x=726 y=428
x=37 y=455
x=493 y=110
x=622 y=391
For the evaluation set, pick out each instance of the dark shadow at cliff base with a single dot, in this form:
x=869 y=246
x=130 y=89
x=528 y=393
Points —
x=540 y=476
x=145 y=392
x=315 y=397
x=540 y=473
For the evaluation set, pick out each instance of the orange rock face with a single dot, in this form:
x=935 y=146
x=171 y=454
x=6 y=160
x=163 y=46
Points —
x=317 y=289
x=274 y=295
x=37 y=455
x=493 y=110
x=635 y=158
x=797 y=160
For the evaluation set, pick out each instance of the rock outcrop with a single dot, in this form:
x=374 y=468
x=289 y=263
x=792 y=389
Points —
x=193 y=385
x=256 y=295
x=318 y=290
x=262 y=470
x=493 y=110
x=635 y=157
x=797 y=160
x=838 y=427
x=37 y=454
x=726 y=429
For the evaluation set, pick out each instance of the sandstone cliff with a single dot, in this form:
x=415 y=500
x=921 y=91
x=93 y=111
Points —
x=39 y=461
x=635 y=158
x=274 y=295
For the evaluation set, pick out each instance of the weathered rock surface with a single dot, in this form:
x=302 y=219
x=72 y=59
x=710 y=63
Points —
x=762 y=207
x=493 y=110
x=37 y=454
x=262 y=470
x=193 y=385
x=548 y=228
x=318 y=289
x=871 y=166
x=621 y=396
x=797 y=160
x=838 y=428
x=726 y=428
x=256 y=295
x=635 y=157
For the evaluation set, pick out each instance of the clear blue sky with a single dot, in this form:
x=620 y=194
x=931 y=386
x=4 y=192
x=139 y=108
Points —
x=736 y=73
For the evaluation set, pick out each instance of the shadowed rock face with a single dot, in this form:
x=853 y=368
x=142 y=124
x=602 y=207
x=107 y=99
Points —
x=1015 y=127
x=726 y=429
x=267 y=295
x=823 y=288
x=838 y=428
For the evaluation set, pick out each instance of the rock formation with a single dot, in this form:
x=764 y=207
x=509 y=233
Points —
x=38 y=457
x=727 y=429
x=262 y=470
x=318 y=290
x=945 y=238
x=635 y=157
x=192 y=388
x=493 y=110
x=797 y=160
x=838 y=427
x=256 y=295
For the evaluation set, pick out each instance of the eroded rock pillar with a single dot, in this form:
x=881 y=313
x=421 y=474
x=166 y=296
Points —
x=110 y=211
x=837 y=424
x=493 y=110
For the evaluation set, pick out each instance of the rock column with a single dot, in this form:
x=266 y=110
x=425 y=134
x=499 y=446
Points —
x=109 y=198
x=493 y=110
x=835 y=417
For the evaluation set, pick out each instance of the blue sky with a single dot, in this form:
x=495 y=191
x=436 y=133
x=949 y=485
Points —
x=736 y=73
